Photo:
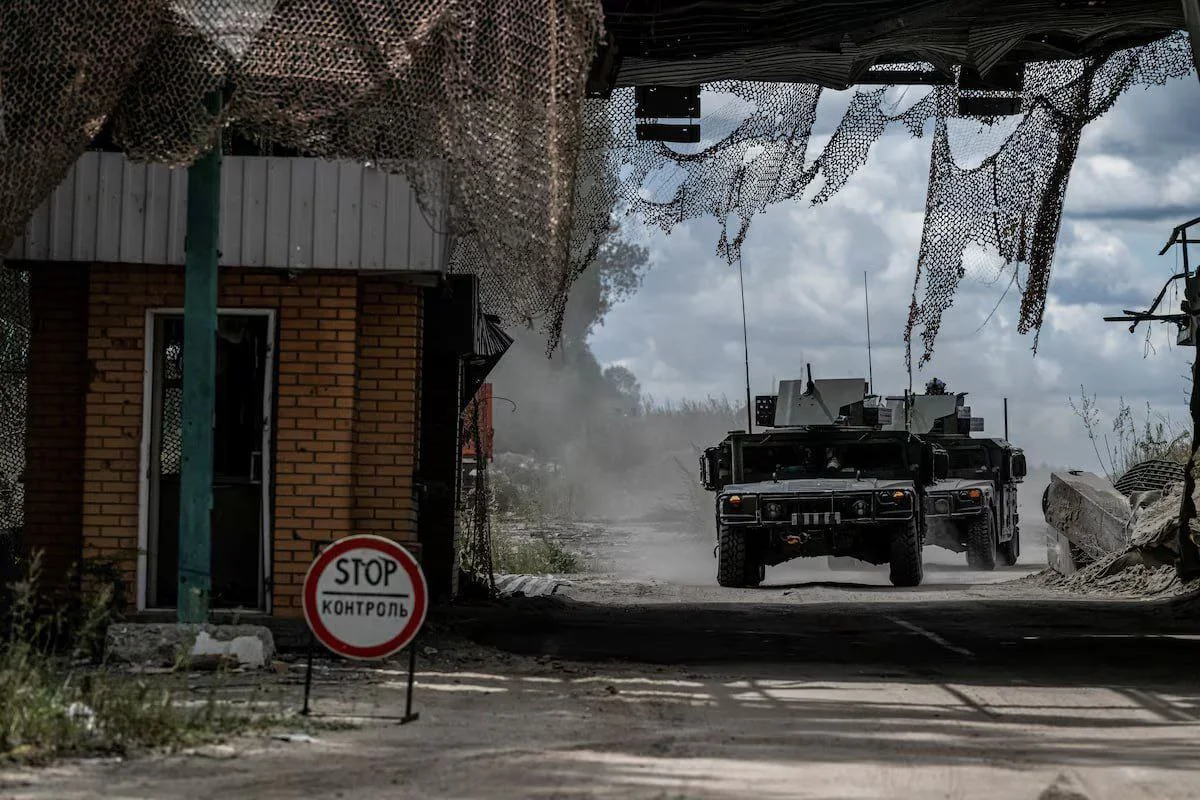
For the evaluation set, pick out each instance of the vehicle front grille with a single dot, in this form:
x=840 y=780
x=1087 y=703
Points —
x=804 y=505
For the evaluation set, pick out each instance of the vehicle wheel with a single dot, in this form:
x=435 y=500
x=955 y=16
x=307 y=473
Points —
x=907 y=569
x=981 y=543
x=1010 y=551
x=732 y=561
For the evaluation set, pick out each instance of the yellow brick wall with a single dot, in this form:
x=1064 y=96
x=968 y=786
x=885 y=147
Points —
x=385 y=448
x=345 y=419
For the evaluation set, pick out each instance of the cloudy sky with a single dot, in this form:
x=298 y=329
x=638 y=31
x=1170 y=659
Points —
x=1136 y=178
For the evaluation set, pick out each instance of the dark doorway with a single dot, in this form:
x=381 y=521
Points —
x=240 y=438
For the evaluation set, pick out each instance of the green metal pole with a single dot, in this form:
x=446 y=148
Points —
x=199 y=380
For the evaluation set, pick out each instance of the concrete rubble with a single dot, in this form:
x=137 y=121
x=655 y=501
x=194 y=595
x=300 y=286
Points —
x=193 y=646
x=1109 y=543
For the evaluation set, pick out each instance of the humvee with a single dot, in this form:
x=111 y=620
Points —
x=821 y=480
x=975 y=509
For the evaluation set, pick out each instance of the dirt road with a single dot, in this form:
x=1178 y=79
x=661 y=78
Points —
x=819 y=685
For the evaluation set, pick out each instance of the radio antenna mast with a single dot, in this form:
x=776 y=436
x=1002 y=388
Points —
x=870 y=366
x=746 y=345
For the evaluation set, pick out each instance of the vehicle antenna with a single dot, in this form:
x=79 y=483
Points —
x=1006 y=419
x=908 y=394
x=746 y=345
x=870 y=366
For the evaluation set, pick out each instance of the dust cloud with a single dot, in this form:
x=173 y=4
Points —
x=575 y=447
x=577 y=443
x=1034 y=531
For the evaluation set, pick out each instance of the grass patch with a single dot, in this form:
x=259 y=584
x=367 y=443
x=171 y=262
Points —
x=534 y=555
x=1132 y=440
x=57 y=702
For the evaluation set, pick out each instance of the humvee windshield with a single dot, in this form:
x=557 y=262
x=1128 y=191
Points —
x=870 y=459
x=969 y=462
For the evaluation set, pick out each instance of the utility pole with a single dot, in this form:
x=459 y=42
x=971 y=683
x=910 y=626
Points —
x=201 y=243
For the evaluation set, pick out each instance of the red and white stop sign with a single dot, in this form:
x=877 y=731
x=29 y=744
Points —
x=365 y=597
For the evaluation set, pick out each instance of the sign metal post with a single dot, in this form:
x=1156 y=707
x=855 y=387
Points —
x=365 y=598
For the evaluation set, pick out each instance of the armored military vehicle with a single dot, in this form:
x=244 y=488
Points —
x=975 y=509
x=822 y=479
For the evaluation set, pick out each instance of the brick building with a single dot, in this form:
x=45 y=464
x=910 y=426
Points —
x=346 y=354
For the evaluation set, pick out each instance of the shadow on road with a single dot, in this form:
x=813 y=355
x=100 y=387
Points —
x=1051 y=642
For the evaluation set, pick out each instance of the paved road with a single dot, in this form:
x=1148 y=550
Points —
x=820 y=685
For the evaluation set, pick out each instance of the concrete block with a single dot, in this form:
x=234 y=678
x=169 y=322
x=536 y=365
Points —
x=166 y=644
x=1089 y=512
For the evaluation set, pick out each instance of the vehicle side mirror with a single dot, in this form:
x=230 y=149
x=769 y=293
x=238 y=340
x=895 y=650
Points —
x=1019 y=469
x=935 y=465
x=710 y=469
x=941 y=464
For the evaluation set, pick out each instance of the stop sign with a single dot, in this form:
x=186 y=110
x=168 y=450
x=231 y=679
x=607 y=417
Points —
x=365 y=597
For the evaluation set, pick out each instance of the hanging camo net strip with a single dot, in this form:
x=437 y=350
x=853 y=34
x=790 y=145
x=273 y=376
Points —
x=758 y=162
x=1011 y=204
x=14 y=362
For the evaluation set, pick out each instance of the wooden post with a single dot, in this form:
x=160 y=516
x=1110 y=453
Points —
x=199 y=379
x=1188 y=566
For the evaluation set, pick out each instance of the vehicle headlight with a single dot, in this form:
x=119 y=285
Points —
x=773 y=511
x=739 y=504
x=860 y=508
x=971 y=496
x=941 y=505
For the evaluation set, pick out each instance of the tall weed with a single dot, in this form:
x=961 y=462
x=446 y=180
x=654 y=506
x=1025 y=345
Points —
x=1131 y=440
x=55 y=701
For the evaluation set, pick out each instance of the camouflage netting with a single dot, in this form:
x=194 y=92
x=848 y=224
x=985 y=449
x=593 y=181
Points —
x=993 y=209
x=477 y=102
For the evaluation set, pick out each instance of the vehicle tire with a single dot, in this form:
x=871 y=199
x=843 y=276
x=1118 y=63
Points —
x=981 y=543
x=906 y=566
x=1010 y=551
x=732 y=561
